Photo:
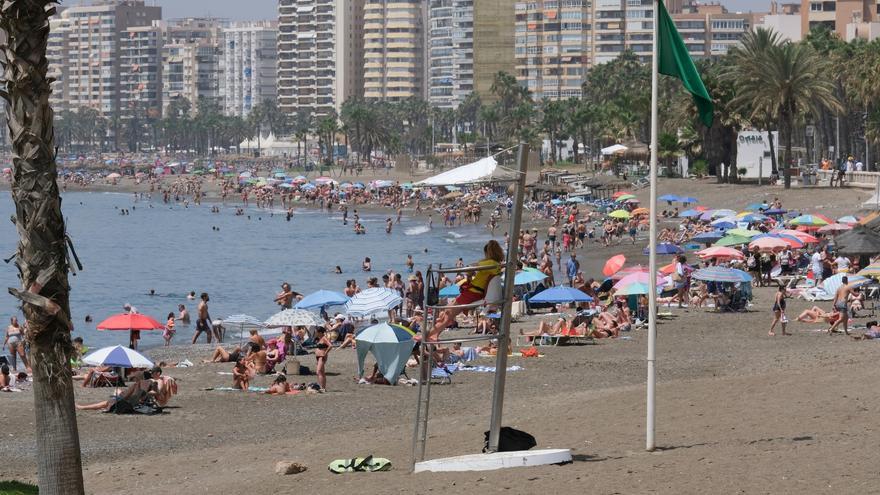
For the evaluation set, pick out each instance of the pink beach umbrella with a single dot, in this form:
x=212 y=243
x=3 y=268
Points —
x=768 y=245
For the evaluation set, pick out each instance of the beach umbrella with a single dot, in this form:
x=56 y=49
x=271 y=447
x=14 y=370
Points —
x=300 y=178
x=665 y=248
x=721 y=274
x=688 y=200
x=620 y=214
x=130 y=321
x=632 y=201
x=835 y=228
x=858 y=241
x=706 y=216
x=554 y=201
x=754 y=207
x=872 y=270
x=391 y=345
x=809 y=221
x=849 y=219
x=241 y=323
x=345 y=185
x=669 y=198
x=641 y=211
x=690 y=213
x=720 y=252
x=744 y=232
x=371 y=301
x=621 y=193
x=114 y=175
x=406 y=185
x=358 y=185
x=613 y=265
x=452 y=290
x=775 y=211
x=791 y=240
x=802 y=236
x=624 y=197
x=753 y=217
x=576 y=199
x=637 y=278
x=321 y=299
x=307 y=187
x=832 y=283
x=528 y=276
x=560 y=294
x=294 y=318
x=635 y=288
x=287 y=186
x=723 y=213
x=118 y=357
x=7 y=170
x=725 y=221
x=629 y=271
x=723 y=225
x=732 y=240
x=708 y=237
x=768 y=244
x=245 y=175
x=324 y=180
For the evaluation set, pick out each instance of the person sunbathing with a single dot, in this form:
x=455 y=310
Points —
x=258 y=359
x=221 y=355
x=623 y=318
x=817 y=315
x=605 y=326
x=166 y=386
x=242 y=373
x=99 y=376
x=279 y=386
x=856 y=301
x=546 y=330
x=374 y=378
x=135 y=395
x=872 y=332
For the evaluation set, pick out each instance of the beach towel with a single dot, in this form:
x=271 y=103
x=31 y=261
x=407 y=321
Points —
x=230 y=389
x=488 y=369
x=359 y=464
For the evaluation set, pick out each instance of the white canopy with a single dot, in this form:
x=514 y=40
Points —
x=483 y=170
x=614 y=149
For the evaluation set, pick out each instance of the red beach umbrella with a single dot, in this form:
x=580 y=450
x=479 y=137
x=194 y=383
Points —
x=613 y=265
x=128 y=321
x=619 y=194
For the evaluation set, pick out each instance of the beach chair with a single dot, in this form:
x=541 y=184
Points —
x=442 y=374
x=641 y=183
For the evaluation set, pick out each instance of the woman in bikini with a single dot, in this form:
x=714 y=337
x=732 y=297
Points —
x=779 y=311
x=322 y=349
x=279 y=386
x=816 y=315
x=14 y=342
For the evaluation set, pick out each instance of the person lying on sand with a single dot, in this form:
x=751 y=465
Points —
x=221 y=355
x=871 y=333
x=818 y=315
x=135 y=394
x=279 y=386
x=374 y=378
x=605 y=325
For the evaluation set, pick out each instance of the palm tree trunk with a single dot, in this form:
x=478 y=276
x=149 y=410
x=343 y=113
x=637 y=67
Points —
x=789 y=128
x=42 y=254
x=774 y=167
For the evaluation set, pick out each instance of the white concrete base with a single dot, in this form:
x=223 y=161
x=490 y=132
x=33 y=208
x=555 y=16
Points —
x=497 y=460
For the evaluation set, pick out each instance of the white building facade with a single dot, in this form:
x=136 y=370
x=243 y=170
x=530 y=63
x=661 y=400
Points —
x=249 y=66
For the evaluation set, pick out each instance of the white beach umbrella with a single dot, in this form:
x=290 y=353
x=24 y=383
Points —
x=242 y=323
x=118 y=356
x=295 y=318
x=372 y=300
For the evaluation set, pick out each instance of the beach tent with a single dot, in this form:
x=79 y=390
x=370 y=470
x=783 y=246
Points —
x=481 y=171
x=391 y=344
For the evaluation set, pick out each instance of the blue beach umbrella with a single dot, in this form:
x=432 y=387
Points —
x=690 y=213
x=556 y=202
x=118 y=357
x=831 y=284
x=450 y=291
x=560 y=294
x=721 y=274
x=322 y=299
x=708 y=237
x=666 y=248
x=576 y=199
x=775 y=211
x=669 y=198
x=528 y=276
x=724 y=225
x=688 y=200
x=391 y=345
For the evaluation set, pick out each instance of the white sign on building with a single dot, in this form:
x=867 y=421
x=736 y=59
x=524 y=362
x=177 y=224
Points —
x=753 y=153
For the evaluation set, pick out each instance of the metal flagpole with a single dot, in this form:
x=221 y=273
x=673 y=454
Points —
x=652 y=241
x=509 y=275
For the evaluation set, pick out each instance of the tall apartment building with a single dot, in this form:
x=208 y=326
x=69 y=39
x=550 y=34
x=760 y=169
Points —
x=837 y=14
x=84 y=50
x=249 y=68
x=191 y=58
x=494 y=35
x=553 y=46
x=140 y=72
x=709 y=30
x=320 y=55
x=450 y=52
x=394 y=49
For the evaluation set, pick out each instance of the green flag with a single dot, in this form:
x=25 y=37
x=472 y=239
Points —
x=674 y=60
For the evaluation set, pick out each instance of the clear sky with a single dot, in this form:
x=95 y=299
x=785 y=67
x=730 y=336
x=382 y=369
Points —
x=267 y=9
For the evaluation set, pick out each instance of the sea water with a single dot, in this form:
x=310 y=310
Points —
x=240 y=261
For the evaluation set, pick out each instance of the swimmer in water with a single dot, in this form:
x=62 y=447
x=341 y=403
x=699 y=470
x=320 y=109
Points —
x=338 y=269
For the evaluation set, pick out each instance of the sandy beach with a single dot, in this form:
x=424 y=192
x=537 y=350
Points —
x=738 y=411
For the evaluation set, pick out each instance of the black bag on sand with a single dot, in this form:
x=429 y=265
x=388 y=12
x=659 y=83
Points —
x=510 y=440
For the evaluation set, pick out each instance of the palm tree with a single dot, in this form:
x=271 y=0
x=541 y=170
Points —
x=327 y=129
x=42 y=249
x=790 y=80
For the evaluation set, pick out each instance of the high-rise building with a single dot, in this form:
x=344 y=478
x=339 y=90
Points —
x=191 y=59
x=709 y=30
x=84 y=46
x=837 y=14
x=320 y=55
x=140 y=72
x=394 y=49
x=494 y=36
x=553 y=46
x=249 y=66
x=450 y=52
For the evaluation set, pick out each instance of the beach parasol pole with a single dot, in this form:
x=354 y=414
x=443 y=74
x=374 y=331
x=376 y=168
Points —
x=509 y=275
x=652 y=245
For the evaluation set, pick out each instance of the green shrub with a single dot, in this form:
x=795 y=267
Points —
x=700 y=167
x=16 y=488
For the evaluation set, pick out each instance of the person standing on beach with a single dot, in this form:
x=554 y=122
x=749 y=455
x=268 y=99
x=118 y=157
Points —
x=571 y=268
x=203 y=322
x=779 y=311
x=841 y=304
x=816 y=264
x=322 y=349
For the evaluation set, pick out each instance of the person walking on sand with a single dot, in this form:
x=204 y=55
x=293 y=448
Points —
x=841 y=304
x=779 y=311
x=203 y=321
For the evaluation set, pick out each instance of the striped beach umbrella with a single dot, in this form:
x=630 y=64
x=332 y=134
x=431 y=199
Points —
x=720 y=252
x=809 y=221
x=832 y=283
x=872 y=270
x=768 y=245
x=721 y=274
x=371 y=301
